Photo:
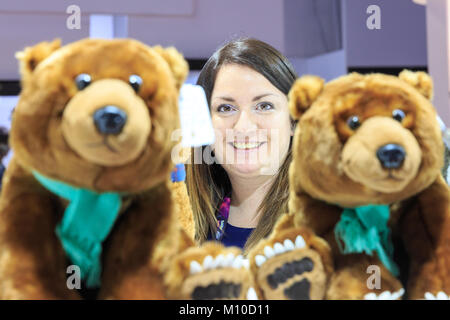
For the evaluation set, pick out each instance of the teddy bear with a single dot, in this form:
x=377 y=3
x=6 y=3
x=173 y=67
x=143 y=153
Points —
x=87 y=208
x=369 y=210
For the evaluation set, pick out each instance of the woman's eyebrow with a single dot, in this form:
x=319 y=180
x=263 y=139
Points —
x=262 y=96
x=225 y=98
x=230 y=99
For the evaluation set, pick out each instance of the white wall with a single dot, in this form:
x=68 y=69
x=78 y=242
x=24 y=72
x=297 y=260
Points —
x=312 y=27
x=328 y=66
x=195 y=27
x=438 y=13
x=18 y=30
x=213 y=23
x=198 y=27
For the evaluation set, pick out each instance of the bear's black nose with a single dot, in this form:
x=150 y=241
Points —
x=391 y=156
x=110 y=120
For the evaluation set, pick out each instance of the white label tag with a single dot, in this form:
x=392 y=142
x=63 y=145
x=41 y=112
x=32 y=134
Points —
x=195 y=119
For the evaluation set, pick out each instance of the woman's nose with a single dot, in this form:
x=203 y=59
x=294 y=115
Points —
x=245 y=122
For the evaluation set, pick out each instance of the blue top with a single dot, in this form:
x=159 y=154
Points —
x=235 y=236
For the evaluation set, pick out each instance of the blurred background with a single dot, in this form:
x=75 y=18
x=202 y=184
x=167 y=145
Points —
x=324 y=37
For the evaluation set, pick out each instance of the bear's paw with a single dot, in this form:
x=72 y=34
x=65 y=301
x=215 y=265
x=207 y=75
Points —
x=290 y=270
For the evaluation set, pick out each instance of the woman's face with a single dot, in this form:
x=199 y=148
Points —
x=251 y=120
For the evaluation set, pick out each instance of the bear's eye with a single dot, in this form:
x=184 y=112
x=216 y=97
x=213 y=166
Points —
x=353 y=122
x=82 y=81
x=398 y=115
x=135 y=82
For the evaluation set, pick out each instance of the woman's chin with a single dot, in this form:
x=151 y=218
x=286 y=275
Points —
x=247 y=170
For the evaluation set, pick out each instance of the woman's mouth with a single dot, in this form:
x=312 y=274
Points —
x=246 y=145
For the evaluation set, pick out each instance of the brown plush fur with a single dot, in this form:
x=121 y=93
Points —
x=53 y=133
x=334 y=167
x=181 y=200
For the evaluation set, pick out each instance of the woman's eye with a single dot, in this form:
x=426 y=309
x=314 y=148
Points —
x=225 y=108
x=264 y=106
x=353 y=122
x=82 y=81
x=398 y=115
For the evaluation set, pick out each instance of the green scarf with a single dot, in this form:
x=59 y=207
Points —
x=365 y=229
x=86 y=223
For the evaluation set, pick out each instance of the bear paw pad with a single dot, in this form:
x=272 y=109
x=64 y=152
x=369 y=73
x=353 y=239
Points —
x=290 y=270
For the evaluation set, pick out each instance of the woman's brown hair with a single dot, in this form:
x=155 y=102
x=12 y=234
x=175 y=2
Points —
x=208 y=184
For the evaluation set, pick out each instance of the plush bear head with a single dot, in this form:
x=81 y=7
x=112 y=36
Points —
x=365 y=139
x=98 y=113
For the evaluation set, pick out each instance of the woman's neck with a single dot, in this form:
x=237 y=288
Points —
x=247 y=195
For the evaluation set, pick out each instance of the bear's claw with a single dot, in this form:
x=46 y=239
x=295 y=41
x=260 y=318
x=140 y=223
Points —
x=385 y=295
x=279 y=248
x=221 y=261
x=439 y=296
x=289 y=269
x=251 y=294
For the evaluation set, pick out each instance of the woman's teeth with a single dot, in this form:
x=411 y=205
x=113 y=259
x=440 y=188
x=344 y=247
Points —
x=250 y=145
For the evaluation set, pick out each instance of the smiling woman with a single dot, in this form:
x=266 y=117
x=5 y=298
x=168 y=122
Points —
x=251 y=118
x=238 y=198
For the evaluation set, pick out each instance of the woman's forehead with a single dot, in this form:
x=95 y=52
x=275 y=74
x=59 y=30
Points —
x=238 y=80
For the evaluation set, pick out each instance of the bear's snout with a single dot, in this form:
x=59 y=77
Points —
x=107 y=123
x=110 y=120
x=391 y=156
x=382 y=155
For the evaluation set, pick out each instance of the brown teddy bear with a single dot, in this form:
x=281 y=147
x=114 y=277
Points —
x=365 y=178
x=89 y=183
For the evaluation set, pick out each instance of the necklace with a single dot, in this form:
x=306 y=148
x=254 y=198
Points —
x=222 y=217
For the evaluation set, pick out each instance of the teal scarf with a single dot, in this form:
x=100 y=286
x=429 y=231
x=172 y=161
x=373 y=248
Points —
x=365 y=229
x=86 y=223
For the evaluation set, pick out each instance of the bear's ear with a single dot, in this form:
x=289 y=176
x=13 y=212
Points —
x=176 y=62
x=305 y=90
x=30 y=57
x=419 y=80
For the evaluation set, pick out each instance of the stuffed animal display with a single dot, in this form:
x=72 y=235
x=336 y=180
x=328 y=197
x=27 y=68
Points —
x=369 y=211
x=88 y=209
x=88 y=191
